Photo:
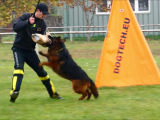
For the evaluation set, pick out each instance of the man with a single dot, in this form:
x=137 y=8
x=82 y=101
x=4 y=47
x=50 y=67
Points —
x=23 y=50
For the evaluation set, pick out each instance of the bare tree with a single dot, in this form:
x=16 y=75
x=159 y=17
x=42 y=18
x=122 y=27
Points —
x=87 y=8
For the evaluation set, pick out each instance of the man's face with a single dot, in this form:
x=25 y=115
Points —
x=39 y=14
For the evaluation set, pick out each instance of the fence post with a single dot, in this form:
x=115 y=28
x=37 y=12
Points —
x=0 y=38
x=70 y=28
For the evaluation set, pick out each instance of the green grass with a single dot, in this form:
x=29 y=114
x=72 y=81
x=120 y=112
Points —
x=7 y=38
x=153 y=37
x=33 y=103
x=95 y=38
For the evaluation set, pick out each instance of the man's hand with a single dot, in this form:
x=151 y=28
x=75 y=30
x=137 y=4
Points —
x=31 y=20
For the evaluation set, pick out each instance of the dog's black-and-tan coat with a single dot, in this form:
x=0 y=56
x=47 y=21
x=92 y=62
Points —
x=62 y=63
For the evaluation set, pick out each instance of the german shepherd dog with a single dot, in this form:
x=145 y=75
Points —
x=62 y=63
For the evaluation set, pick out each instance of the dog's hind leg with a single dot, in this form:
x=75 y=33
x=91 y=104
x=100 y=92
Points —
x=89 y=93
x=80 y=87
x=83 y=96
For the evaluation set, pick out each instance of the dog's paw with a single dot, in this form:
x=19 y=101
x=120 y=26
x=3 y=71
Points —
x=40 y=65
x=40 y=52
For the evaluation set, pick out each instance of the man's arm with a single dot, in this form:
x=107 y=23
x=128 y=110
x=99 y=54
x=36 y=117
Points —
x=44 y=29
x=22 y=23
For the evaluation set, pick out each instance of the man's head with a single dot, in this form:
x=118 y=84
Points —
x=42 y=11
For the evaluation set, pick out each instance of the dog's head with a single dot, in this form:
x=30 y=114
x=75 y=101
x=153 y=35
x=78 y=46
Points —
x=56 y=43
x=47 y=40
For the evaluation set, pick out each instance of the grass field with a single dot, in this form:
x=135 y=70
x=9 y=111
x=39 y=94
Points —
x=33 y=103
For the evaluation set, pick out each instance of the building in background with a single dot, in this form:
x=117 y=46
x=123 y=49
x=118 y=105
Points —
x=146 y=11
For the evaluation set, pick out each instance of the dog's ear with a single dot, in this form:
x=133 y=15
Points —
x=63 y=40
x=59 y=38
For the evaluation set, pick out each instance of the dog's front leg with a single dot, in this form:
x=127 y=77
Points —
x=44 y=63
x=43 y=54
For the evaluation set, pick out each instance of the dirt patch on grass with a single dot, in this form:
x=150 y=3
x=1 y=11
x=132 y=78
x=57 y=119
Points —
x=156 y=52
x=90 y=45
x=85 y=53
x=155 y=48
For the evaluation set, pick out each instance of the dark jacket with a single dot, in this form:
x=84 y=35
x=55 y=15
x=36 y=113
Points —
x=24 y=31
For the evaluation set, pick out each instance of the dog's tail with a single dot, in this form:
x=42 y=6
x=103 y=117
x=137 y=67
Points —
x=93 y=89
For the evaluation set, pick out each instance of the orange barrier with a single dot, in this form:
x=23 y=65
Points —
x=126 y=59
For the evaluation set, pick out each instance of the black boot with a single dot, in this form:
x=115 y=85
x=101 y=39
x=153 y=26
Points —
x=56 y=95
x=14 y=96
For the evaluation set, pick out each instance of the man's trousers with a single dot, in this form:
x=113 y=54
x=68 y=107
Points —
x=22 y=56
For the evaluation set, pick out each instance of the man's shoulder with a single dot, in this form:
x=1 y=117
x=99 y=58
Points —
x=42 y=21
x=26 y=15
